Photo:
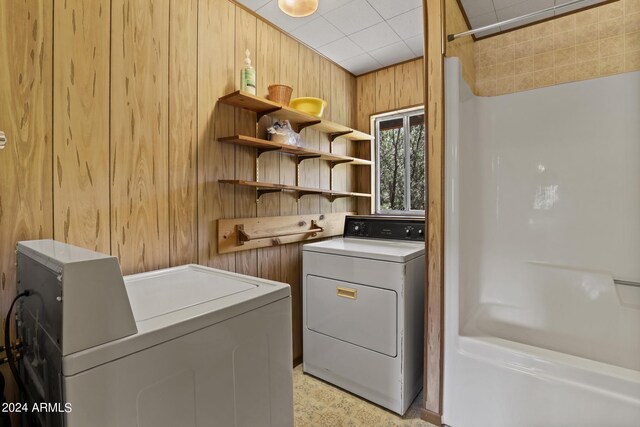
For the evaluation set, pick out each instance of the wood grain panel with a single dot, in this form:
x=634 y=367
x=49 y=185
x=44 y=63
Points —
x=26 y=210
x=409 y=87
x=366 y=106
x=245 y=198
x=325 y=93
x=352 y=148
x=339 y=113
x=289 y=254
x=309 y=170
x=268 y=69
x=183 y=131
x=81 y=125
x=385 y=90
x=216 y=21
x=139 y=134
x=435 y=34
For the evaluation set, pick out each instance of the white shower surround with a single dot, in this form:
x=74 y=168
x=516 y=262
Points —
x=542 y=213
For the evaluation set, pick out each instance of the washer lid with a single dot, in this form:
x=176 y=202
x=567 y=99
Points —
x=165 y=291
x=173 y=302
x=383 y=250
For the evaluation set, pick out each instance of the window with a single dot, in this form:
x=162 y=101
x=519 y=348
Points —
x=400 y=165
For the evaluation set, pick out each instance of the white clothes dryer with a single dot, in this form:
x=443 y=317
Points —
x=363 y=309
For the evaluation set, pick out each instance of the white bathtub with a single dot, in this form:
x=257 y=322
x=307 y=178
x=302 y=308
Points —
x=542 y=213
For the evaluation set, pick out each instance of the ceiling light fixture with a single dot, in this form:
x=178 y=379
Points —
x=298 y=8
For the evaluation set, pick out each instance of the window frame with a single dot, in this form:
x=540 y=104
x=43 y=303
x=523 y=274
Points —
x=406 y=115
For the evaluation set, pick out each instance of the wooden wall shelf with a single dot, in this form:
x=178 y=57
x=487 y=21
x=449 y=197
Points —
x=302 y=153
x=263 y=106
x=268 y=187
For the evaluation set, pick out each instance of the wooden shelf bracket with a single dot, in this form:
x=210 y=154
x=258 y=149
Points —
x=261 y=191
x=263 y=113
x=301 y=158
x=303 y=125
x=334 y=163
x=335 y=135
x=333 y=197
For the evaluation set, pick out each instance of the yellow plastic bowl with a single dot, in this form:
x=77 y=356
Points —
x=309 y=105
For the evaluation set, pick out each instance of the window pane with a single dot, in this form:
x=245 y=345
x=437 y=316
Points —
x=416 y=161
x=391 y=164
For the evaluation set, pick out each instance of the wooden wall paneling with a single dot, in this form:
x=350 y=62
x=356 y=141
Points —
x=290 y=257
x=340 y=114
x=434 y=315
x=216 y=160
x=309 y=170
x=325 y=93
x=409 y=87
x=26 y=208
x=366 y=105
x=139 y=134
x=366 y=101
x=183 y=131
x=385 y=90
x=245 y=198
x=268 y=72
x=352 y=148
x=81 y=125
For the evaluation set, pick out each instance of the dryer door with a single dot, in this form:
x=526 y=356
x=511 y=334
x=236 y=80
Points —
x=358 y=314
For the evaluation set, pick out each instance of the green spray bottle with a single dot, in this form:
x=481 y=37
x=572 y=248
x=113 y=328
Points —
x=248 y=75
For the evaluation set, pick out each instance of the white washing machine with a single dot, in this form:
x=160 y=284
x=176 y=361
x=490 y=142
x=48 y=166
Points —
x=184 y=346
x=363 y=309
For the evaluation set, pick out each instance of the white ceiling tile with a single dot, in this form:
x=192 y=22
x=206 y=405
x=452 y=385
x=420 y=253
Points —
x=360 y=64
x=253 y=4
x=272 y=13
x=477 y=7
x=409 y=24
x=375 y=37
x=317 y=32
x=353 y=16
x=341 y=49
x=390 y=8
x=525 y=8
x=416 y=44
x=326 y=6
x=392 y=54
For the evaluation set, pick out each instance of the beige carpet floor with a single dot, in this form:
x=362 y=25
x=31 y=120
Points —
x=319 y=404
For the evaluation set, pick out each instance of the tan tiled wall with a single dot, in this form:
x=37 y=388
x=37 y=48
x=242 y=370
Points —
x=593 y=43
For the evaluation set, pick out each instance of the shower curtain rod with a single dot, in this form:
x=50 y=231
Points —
x=452 y=37
x=626 y=283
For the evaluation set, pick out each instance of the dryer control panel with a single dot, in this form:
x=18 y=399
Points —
x=384 y=227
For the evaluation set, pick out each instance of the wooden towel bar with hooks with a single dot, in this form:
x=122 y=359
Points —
x=242 y=234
